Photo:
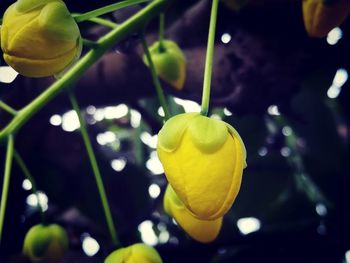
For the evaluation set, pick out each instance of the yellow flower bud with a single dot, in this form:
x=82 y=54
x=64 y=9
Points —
x=321 y=16
x=204 y=231
x=170 y=63
x=203 y=160
x=39 y=37
x=45 y=243
x=139 y=253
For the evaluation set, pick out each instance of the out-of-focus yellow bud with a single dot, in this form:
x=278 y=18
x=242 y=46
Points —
x=170 y=63
x=139 y=253
x=321 y=16
x=204 y=231
x=203 y=160
x=39 y=37
x=45 y=243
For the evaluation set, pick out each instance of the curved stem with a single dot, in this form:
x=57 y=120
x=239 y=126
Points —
x=6 y=182
x=209 y=58
x=96 y=171
x=161 y=32
x=28 y=176
x=104 y=22
x=7 y=108
x=89 y=43
x=156 y=82
x=107 y=9
x=72 y=75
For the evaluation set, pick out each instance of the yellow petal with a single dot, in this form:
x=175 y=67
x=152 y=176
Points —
x=204 y=231
x=139 y=253
x=40 y=67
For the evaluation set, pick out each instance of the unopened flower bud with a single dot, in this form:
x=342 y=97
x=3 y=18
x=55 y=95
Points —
x=39 y=37
x=45 y=243
x=169 y=62
x=203 y=160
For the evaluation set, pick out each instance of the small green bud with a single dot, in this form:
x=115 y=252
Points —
x=45 y=243
x=170 y=63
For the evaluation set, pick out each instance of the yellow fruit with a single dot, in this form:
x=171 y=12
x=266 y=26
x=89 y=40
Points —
x=39 y=37
x=45 y=243
x=321 y=17
x=201 y=230
x=203 y=160
x=170 y=63
x=139 y=253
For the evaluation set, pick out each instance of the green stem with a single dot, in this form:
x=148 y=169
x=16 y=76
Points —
x=7 y=108
x=107 y=9
x=156 y=82
x=104 y=22
x=209 y=58
x=100 y=21
x=28 y=176
x=96 y=171
x=161 y=32
x=6 y=182
x=89 y=43
x=72 y=75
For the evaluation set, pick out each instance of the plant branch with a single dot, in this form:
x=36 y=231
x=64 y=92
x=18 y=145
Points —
x=209 y=58
x=106 y=9
x=6 y=182
x=89 y=43
x=104 y=22
x=72 y=75
x=96 y=171
x=7 y=108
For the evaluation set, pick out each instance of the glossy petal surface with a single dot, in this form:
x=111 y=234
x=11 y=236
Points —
x=139 y=252
x=39 y=38
x=201 y=230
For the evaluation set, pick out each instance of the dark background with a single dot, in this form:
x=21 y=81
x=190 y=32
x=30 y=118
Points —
x=270 y=60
